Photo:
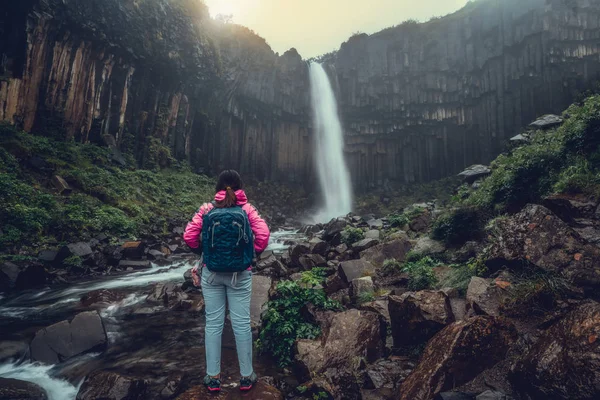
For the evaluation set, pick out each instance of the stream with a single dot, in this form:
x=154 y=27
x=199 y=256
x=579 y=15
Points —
x=143 y=340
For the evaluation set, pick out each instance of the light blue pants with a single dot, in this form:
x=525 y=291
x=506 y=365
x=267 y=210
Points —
x=237 y=292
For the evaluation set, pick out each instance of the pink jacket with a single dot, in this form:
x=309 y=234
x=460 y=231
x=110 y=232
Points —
x=259 y=226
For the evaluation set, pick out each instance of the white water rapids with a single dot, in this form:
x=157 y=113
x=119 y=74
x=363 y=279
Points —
x=334 y=178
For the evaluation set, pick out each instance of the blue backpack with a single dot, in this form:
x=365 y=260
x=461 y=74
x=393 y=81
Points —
x=227 y=240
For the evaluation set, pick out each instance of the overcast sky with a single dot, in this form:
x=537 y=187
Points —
x=315 y=27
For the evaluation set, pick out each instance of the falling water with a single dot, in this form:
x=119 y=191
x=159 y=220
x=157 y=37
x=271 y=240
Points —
x=334 y=177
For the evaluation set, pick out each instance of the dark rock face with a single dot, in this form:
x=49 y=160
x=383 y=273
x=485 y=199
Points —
x=29 y=276
x=416 y=317
x=540 y=237
x=565 y=361
x=112 y=386
x=13 y=389
x=418 y=101
x=458 y=354
x=421 y=101
x=66 y=339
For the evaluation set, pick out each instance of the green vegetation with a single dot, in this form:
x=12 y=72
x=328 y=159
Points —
x=535 y=293
x=405 y=218
x=105 y=198
x=284 y=322
x=458 y=226
x=421 y=274
x=352 y=235
x=366 y=297
x=391 y=266
x=461 y=274
x=565 y=158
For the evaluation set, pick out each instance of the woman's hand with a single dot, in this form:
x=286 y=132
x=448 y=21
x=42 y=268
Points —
x=195 y=277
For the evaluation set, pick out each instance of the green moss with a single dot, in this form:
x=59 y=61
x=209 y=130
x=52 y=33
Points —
x=458 y=226
x=564 y=158
x=106 y=198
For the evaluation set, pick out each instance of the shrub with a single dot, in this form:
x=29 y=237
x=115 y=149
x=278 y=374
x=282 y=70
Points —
x=391 y=266
x=284 y=322
x=421 y=274
x=366 y=297
x=458 y=226
x=352 y=235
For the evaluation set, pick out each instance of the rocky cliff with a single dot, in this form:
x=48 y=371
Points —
x=421 y=101
x=418 y=101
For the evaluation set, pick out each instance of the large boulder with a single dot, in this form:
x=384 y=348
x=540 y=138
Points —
x=352 y=335
x=457 y=354
x=539 y=237
x=416 y=317
x=13 y=350
x=361 y=287
x=261 y=285
x=364 y=244
x=112 y=386
x=353 y=269
x=334 y=228
x=565 y=361
x=388 y=373
x=67 y=339
x=318 y=246
x=485 y=296
x=426 y=246
x=395 y=249
x=14 y=389
x=79 y=249
x=13 y=276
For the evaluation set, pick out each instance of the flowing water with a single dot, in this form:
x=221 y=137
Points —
x=144 y=340
x=334 y=178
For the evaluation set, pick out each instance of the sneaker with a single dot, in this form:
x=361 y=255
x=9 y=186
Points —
x=212 y=384
x=248 y=382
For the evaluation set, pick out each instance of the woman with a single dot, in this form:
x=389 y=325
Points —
x=230 y=231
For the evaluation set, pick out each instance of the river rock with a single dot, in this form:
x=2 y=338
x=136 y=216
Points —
x=134 y=265
x=79 y=249
x=261 y=391
x=450 y=360
x=112 y=386
x=538 y=236
x=101 y=298
x=395 y=249
x=475 y=172
x=296 y=252
x=353 y=269
x=14 y=389
x=66 y=339
x=565 y=361
x=13 y=350
x=416 y=317
x=13 y=276
x=352 y=335
x=133 y=250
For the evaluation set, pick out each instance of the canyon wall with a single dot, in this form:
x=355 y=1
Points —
x=422 y=101
x=155 y=78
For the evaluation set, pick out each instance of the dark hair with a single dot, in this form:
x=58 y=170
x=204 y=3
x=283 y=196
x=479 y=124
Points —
x=229 y=181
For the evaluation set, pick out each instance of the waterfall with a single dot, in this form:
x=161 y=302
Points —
x=334 y=177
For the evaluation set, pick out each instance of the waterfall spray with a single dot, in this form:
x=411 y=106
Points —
x=334 y=177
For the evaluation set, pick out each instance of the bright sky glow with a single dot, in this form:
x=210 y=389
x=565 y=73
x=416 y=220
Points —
x=315 y=27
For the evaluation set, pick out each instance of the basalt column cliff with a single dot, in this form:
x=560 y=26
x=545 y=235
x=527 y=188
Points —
x=421 y=101
x=159 y=79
